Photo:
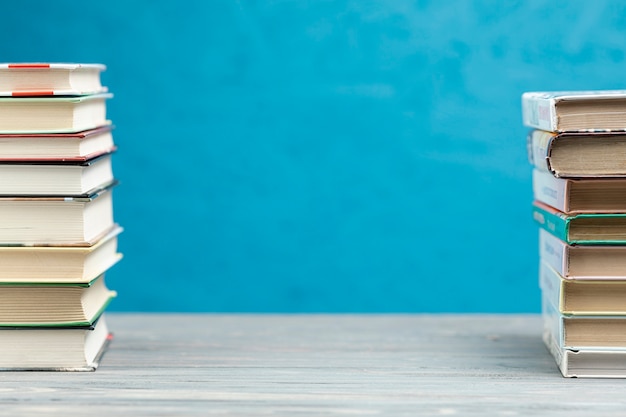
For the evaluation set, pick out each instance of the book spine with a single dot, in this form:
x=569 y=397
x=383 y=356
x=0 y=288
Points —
x=539 y=112
x=551 y=336
x=539 y=144
x=551 y=190
x=551 y=285
x=553 y=251
x=556 y=224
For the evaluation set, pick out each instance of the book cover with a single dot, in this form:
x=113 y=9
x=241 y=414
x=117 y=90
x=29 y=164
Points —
x=569 y=111
x=583 y=228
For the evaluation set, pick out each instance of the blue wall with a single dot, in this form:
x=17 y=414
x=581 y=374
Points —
x=338 y=156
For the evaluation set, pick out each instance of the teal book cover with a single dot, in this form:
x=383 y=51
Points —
x=582 y=229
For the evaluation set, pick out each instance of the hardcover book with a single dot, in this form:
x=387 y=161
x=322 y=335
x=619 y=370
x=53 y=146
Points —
x=53 y=305
x=50 y=79
x=582 y=262
x=56 y=221
x=589 y=195
x=78 y=147
x=46 y=178
x=578 y=155
x=73 y=348
x=59 y=114
x=582 y=229
x=59 y=264
x=572 y=297
x=586 y=363
x=572 y=111
x=585 y=332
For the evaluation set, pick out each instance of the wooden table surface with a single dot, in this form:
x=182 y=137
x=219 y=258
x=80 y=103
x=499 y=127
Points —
x=317 y=365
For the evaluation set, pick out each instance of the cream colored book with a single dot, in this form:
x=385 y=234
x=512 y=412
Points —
x=54 y=349
x=59 y=264
x=59 y=114
x=67 y=179
x=48 y=79
x=55 y=305
x=53 y=147
x=56 y=221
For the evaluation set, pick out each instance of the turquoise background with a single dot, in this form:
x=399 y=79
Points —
x=325 y=156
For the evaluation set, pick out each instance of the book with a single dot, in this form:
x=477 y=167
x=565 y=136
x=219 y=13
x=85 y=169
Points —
x=56 y=221
x=59 y=114
x=586 y=363
x=54 y=305
x=78 y=147
x=571 y=111
x=582 y=229
x=580 y=261
x=577 y=154
x=48 y=79
x=47 y=178
x=72 y=348
x=582 y=297
x=584 y=332
x=588 y=195
x=59 y=264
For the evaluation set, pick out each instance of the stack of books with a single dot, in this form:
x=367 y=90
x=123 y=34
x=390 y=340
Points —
x=577 y=146
x=57 y=233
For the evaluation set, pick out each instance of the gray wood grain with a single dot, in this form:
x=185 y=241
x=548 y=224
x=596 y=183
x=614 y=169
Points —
x=292 y=365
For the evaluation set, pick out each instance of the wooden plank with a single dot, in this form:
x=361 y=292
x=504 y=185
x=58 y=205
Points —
x=393 y=365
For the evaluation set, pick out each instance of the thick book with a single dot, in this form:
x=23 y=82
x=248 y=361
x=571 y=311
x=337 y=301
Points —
x=572 y=111
x=56 y=221
x=77 y=147
x=582 y=297
x=59 y=114
x=585 y=195
x=59 y=264
x=72 y=348
x=578 y=155
x=53 y=305
x=583 y=228
x=50 y=79
x=46 y=178
x=581 y=261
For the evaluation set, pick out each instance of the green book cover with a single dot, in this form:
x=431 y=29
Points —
x=584 y=228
